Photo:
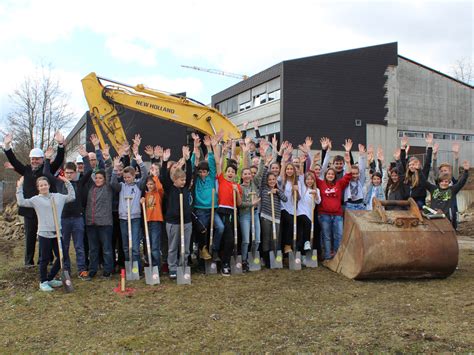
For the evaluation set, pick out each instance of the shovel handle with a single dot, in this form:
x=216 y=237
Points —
x=147 y=235
x=294 y=219
x=58 y=231
x=234 y=195
x=181 y=222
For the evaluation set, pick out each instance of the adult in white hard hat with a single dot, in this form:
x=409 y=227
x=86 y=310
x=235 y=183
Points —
x=80 y=165
x=31 y=172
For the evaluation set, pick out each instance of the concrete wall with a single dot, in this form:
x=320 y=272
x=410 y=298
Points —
x=430 y=102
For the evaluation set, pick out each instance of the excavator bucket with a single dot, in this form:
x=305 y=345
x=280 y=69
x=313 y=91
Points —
x=383 y=244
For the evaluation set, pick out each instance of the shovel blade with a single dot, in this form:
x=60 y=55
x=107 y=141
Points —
x=276 y=261
x=254 y=261
x=66 y=280
x=152 y=277
x=311 y=258
x=183 y=275
x=211 y=267
x=236 y=264
x=294 y=260
x=131 y=271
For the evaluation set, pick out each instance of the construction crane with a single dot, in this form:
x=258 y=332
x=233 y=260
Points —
x=218 y=72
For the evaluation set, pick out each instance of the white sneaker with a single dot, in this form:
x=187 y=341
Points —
x=307 y=245
x=55 y=283
x=44 y=286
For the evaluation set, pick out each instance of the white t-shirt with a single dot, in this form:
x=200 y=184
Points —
x=305 y=204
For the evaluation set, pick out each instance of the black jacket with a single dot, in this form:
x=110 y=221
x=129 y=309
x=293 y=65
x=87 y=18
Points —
x=30 y=176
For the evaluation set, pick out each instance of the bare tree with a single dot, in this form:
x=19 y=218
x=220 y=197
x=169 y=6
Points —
x=40 y=108
x=462 y=70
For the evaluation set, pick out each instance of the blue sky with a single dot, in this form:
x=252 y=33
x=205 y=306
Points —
x=147 y=41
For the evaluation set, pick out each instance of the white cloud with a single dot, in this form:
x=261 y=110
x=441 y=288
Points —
x=130 y=52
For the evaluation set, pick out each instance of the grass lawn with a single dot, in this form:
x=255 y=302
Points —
x=308 y=311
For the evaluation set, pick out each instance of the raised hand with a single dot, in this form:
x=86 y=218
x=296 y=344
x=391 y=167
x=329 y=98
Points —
x=456 y=148
x=303 y=148
x=158 y=152
x=82 y=151
x=324 y=143
x=465 y=165
x=290 y=148
x=106 y=151
x=207 y=141
x=396 y=154
x=274 y=142
x=255 y=124
x=117 y=163
x=137 y=140
x=149 y=151
x=429 y=139
x=308 y=142
x=166 y=154
x=404 y=142
x=186 y=152
x=7 y=141
x=19 y=183
x=63 y=178
x=245 y=125
x=48 y=154
x=95 y=140
x=435 y=150
x=138 y=157
x=348 y=145
x=59 y=138
x=380 y=155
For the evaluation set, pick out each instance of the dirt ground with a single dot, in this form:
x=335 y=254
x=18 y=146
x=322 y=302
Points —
x=269 y=311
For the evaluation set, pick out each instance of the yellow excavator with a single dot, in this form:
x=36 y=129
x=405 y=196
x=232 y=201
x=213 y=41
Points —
x=106 y=102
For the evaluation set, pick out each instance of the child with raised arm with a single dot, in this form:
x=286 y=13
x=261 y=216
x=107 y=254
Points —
x=130 y=188
x=330 y=209
x=48 y=243
x=443 y=194
x=176 y=182
x=250 y=197
x=310 y=197
x=354 y=192
x=225 y=212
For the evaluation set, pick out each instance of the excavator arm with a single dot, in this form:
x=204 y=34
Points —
x=106 y=103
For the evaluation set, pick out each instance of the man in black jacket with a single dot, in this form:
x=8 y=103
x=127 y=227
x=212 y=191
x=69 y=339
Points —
x=31 y=172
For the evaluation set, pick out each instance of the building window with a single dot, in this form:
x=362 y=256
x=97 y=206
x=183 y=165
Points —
x=245 y=106
x=274 y=95
x=468 y=138
x=259 y=99
x=415 y=134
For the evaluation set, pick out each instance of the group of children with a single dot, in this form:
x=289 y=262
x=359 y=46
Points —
x=277 y=183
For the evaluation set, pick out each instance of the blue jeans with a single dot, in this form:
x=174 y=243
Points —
x=100 y=236
x=355 y=206
x=136 y=226
x=154 y=230
x=218 y=231
x=245 y=229
x=331 y=230
x=204 y=216
x=74 y=227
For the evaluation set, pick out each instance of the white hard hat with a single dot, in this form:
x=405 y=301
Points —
x=36 y=153
x=79 y=160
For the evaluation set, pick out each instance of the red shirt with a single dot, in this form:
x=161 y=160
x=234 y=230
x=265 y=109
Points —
x=331 y=195
x=225 y=195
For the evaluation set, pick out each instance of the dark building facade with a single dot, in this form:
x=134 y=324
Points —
x=334 y=95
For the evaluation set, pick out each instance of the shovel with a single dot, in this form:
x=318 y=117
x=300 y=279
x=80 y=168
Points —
x=311 y=256
x=152 y=276
x=235 y=260
x=211 y=265
x=131 y=267
x=276 y=259
x=294 y=257
x=254 y=255
x=184 y=272
x=65 y=277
